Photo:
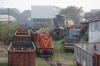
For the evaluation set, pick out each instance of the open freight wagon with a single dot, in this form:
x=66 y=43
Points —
x=22 y=36
x=21 y=54
x=22 y=29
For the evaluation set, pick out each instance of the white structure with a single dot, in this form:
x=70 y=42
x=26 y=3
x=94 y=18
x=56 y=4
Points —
x=44 y=13
x=81 y=17
x=83 y=54
x=94 y=31
x=6 y=18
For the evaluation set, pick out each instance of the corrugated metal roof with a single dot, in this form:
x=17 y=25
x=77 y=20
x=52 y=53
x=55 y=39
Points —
x=95 y=20
x=4 y=18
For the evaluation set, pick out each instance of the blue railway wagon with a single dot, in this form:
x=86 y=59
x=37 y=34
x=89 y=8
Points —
x=71 y=38
x=77 y=32
x=29 y=25
x=74 y=34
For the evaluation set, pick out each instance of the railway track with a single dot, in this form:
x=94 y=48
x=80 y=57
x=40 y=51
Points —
x=51 y=62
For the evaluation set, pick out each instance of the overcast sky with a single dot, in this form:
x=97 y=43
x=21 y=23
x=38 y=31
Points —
x=26 y=4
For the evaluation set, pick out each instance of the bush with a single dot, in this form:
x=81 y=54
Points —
x=6 y=32
x=3 y=64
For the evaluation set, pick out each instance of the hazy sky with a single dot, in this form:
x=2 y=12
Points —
x=26 y=4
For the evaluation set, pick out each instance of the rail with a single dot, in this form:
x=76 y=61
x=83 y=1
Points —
x=51 y=62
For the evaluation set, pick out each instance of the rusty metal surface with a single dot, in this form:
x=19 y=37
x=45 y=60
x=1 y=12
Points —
x=21 y=33
x=21 y=57
x=20 y=28
x=69 y=45
x=22 y=36
x=34 y=30
x=96 y=58
x=69 y=48
x=59 y=32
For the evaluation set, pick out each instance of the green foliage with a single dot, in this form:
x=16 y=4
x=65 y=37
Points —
x=25 y=15
x=16 y=14
x=3 y=64
x=6 y=32
x=73 y=65
x=61 y=54
x=48 y=28
x=72 y=13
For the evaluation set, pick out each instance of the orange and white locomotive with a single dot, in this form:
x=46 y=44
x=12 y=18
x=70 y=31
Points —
x=43 y=42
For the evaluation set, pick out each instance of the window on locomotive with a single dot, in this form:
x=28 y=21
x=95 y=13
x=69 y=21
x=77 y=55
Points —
x=58 y=33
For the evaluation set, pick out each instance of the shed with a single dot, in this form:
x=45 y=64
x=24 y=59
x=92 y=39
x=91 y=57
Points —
x=62 y=20
x=94 y=31
x=6 y=18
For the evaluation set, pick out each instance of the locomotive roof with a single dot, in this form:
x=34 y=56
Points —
x=43 y=33
x=59 y=27
x=76 y=29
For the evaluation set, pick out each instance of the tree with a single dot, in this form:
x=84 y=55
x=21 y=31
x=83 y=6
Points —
x=7 y=32
x=72 y=13
x=26 y=14
x=15 y=13
x=89 y=15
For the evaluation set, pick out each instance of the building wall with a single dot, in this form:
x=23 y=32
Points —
x=44 y=12
x=95 y=10
x=94 y=32
x=4 y=18
x=98 y=47
x=42 y=20
x=97 y=15
x=82 y=17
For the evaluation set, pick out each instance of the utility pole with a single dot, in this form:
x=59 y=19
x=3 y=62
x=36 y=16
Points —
x=8 y=14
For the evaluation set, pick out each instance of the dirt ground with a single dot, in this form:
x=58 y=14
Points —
x=3 y=53
x=3 y=59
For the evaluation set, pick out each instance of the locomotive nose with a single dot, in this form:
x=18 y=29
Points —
x=45 y=51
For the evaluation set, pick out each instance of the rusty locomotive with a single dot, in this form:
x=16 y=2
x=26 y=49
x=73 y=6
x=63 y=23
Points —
x=61 y=24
